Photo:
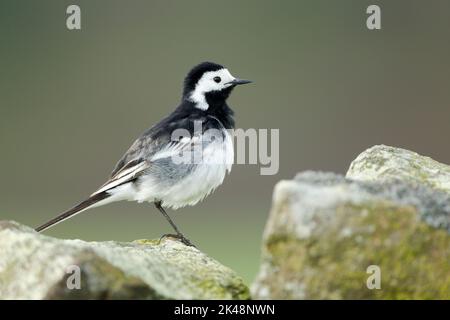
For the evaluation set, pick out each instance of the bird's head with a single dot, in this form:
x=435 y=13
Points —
x=209 y=83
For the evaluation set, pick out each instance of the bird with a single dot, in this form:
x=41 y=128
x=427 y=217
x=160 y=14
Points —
x=181 y=159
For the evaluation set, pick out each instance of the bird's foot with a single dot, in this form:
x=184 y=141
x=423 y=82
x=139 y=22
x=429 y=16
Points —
x=180 y=237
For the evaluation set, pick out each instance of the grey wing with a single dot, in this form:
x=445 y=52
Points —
x=152 y=141
x=133 y=163
x=155 y=149
x=128 y=173
x=141 y=149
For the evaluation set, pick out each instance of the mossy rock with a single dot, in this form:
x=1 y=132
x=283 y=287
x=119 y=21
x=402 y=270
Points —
x=324 y=232
x=385 y=163
x=34 y=266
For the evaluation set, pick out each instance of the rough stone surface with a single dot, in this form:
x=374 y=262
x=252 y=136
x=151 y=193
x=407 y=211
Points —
x=34 y=266
x=324 y=231
x=387 y=163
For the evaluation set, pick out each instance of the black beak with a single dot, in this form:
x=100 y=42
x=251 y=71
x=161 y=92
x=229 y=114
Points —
x=236 y=82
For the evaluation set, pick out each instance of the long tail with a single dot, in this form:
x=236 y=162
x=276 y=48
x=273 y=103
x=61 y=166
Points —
x=86 y=204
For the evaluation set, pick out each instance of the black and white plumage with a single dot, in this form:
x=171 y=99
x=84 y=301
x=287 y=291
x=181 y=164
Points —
x=147 y=172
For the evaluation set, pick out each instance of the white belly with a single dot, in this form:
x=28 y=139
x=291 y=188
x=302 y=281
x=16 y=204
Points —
x=217 y=160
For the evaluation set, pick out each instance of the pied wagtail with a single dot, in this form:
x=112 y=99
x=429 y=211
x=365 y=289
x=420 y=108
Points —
x=147 y=172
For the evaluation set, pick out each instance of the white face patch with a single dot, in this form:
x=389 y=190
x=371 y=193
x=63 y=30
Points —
x=208 y=84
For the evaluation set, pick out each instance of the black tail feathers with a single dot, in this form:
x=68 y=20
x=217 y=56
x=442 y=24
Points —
x=73 y=211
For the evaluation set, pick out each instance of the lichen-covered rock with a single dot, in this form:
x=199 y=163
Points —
x=34 y=266
x=324 y=231
x=387 y=163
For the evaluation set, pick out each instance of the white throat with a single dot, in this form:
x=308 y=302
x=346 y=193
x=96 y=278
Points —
x=199 y=99
x=207 y=84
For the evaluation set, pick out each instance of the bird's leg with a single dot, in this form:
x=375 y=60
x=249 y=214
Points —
x=179 y=235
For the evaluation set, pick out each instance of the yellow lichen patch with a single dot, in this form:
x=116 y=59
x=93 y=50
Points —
x=152 y=242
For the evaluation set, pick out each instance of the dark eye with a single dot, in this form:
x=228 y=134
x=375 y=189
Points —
x=217 y=79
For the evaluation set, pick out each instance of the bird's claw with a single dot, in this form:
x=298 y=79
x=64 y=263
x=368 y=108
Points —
x=180 y=237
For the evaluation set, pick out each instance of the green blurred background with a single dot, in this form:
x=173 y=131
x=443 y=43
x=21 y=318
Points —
x=71 y=102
